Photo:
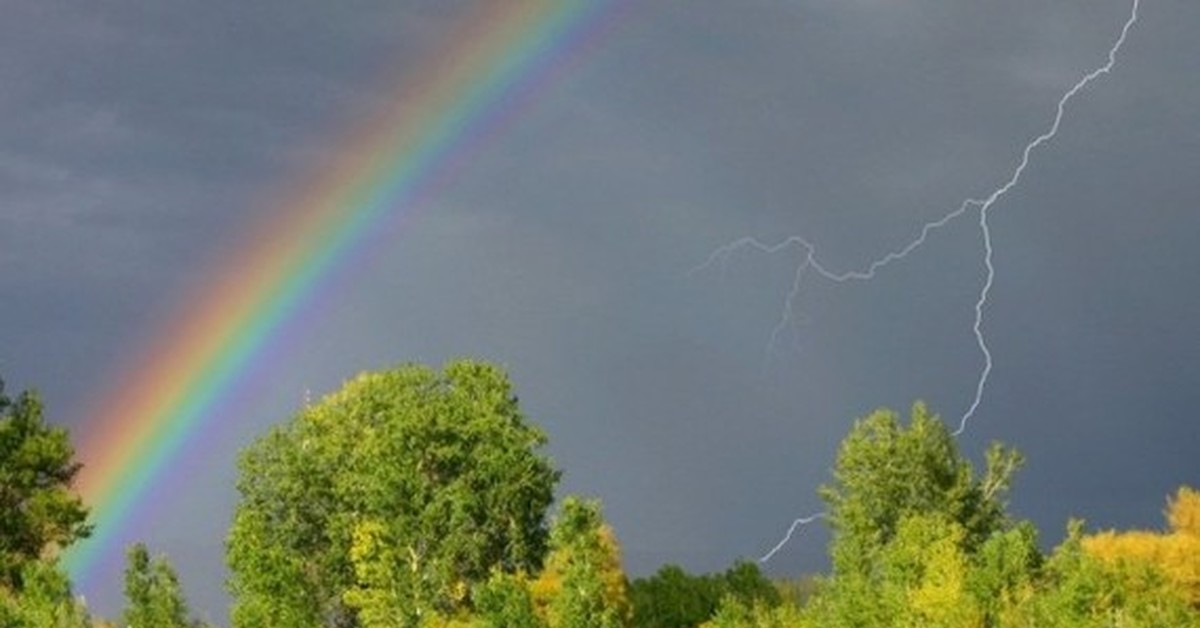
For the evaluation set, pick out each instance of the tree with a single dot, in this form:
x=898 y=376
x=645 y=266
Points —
x=1081 y=590
x=583 y=585
x=1176 y=553
x=672 y=598
x=38 y=511
x=1183 y=512
x=746 y=582
x=505 y=601
x=909 y=518
x=389 y=499
x=154 y=598
x=920 y=541
x=45 y=600
x=1005 y=572
x=886 y=471
x=734 y=612
x=925 y=574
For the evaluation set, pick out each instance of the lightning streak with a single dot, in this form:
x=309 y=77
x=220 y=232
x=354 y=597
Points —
x=802 y=521
x=810 y=260
x=986 y=206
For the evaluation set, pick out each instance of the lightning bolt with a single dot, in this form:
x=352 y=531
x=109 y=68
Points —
x=811 y=262
x=802 y=521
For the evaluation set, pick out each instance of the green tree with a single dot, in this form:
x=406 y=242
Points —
x=746 y=582
x=38 y=511
x=389 y=499
x=505 y=601
x=1081 y=590
x=909 y=516
x=925 y=575
x=583 y=585
x=45 y=600
x=153 y=596
x=673 y=598
x=734 y=612
x=886 y=471
x=1004 y=573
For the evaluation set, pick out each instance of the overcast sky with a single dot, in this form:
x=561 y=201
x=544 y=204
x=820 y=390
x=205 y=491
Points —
x=140 y=138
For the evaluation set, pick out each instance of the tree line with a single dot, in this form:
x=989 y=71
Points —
x=422 y=497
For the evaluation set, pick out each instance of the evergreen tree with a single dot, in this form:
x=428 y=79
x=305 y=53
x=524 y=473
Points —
x=38 y=510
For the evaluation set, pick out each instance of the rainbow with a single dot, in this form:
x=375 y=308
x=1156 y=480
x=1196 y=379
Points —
x=499 y=58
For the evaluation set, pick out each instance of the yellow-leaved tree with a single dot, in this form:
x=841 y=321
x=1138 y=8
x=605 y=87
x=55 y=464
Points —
x=1176 y=552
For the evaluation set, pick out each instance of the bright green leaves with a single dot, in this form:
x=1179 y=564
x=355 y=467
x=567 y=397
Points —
x=505 y=601
x=153 y=595
x=886 y=471
x=919 y=540
x=45 y=600
x=389 y=499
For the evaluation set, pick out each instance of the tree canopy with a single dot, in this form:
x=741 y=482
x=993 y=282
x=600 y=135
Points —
x=152 y=592
x=920 y=540
x=418 y=498
x=673 y=598
x=886 y=471
x=389 y=498
x=583 y=584
x=38 y=510
x=1176 y=552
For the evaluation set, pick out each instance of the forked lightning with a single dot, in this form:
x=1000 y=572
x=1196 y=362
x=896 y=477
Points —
x=810 y=260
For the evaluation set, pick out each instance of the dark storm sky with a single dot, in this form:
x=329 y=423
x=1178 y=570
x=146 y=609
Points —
x=138 y=139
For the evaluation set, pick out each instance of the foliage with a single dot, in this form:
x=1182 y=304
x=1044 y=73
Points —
x=1176 y=553
x=672 y=598
x=45 y=600
x=924 y=574
x=505 y=601
x=1183 y=512
x=886 y=471
x=797 y=591
x=918 y=541
x=582 y=585
x=415 y=498
x=1081 y=590
x=745 y=581
x=153 y=595
x=1004 y=572
x=734 y=612
x=388 y=500
x=909 y=518
x=38 y=510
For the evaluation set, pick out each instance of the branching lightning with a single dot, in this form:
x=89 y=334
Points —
x=810 y=261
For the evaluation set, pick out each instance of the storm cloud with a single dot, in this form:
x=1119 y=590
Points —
x=138 y=142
